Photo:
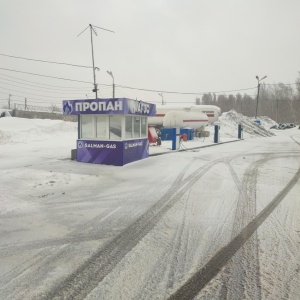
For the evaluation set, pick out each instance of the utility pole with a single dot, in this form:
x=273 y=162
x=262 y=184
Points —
x=258 y=88
x=241 y=105
x=92 y=30
x=9 y=101
x=162 y=98
x=277 y=111
x=112 y=76
x=95 y=90
x=25 y=103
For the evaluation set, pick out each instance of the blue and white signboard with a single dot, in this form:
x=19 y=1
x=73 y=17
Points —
x=108 y=106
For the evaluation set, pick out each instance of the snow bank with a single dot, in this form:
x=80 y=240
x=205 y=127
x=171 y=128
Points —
x=21 y=130
x=229 y=123
x=267 y=122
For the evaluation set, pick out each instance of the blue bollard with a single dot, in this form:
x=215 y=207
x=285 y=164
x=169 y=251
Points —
x=175 y=138
x=173 y=133
x=240 y=131
x=217 y=134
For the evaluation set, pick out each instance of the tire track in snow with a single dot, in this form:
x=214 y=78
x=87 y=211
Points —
x=242 y=273
x=292 y=137
x=93 y=271
x=74 y=237
x=168 y=259
x=48 y=255
x=96 y=229
x=194 y=285
x=239 y=275
x=84 y=232
x=37 y=266
x=174 y=263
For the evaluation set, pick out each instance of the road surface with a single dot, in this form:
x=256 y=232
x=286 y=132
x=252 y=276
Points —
x=213 y=223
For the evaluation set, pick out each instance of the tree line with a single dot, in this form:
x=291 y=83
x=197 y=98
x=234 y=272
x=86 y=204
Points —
x=280 y=102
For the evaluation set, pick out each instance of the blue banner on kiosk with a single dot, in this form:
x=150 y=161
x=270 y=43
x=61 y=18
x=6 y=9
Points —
x=108 y=106
x=117 y=153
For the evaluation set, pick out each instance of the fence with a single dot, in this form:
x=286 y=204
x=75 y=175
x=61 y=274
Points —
x=50 y=109
x=35 y=112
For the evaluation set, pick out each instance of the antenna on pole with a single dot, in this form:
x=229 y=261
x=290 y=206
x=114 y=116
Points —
x=92 y=30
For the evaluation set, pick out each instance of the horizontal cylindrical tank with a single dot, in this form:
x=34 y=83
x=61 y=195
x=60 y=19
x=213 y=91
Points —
x=181 y=119
x=212 y=112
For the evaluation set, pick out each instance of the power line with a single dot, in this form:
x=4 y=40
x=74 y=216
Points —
x=44 y=88
x=22 y=96
x=28 y=93
x=181 y=93
x=280 y=83
x=37 y=100
x=140 y=89
x=46 y=61
x=54 y=92
x=55 y=86
x=44 y=75
x=274 y=100
x=24 y=87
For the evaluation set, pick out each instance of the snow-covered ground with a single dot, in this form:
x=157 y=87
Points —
x=218 y=222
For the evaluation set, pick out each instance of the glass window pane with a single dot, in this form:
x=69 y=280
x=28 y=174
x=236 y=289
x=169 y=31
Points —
x=101 y=126
x=115 y=132
x=136 y=127
x=128 y=127
x=143 y=127
x=87 y=126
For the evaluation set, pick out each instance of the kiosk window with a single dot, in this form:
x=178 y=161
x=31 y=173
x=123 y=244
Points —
x=143 y=127
x=115 y=126
x=87 y=126
x=101 y=127
x=136 y=127
x=128 y=127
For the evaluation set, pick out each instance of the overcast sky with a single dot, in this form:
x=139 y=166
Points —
x=186 y=46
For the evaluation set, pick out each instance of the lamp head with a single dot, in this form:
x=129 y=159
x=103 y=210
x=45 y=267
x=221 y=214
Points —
x=110 y=73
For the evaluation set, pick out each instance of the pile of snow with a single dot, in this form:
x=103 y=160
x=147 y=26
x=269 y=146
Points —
x=229 y=123
x=267 y=122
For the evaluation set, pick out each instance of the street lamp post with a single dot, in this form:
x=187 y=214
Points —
x=95 y=89
x=162 y=98
x=258 y=88
x=112 y=76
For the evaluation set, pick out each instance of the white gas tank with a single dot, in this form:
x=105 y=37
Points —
x=182 y=119
x=212 y=112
